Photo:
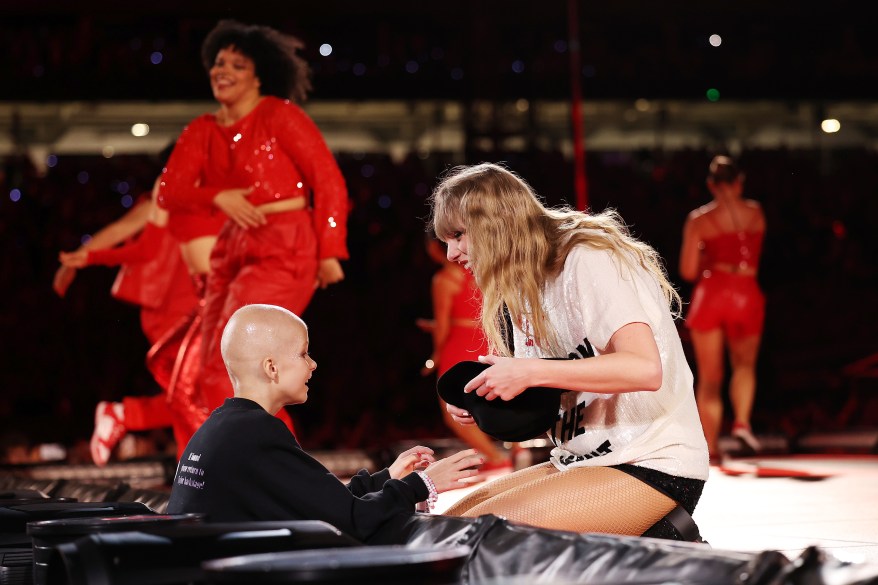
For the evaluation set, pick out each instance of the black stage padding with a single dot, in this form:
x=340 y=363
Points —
x=14 y=518
x=13 y=497
x=156 y=500
x=47 y=535
x=816 y=567
x=514 y=554
x=384 y=565
x=51 y=477
x=502 y=550
x=16 y=537
x=168 y=555
x=89 y=492
x=15 y=566
x=15 y=482
x=18 y=495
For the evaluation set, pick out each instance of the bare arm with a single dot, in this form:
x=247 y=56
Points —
x=442 y=293
x=123 y=228
x=110 y=235
x=631 y=363
x=690 y=253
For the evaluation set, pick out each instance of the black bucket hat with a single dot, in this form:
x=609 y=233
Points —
x=528 y=415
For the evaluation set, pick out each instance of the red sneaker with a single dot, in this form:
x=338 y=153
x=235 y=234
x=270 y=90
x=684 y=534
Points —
x=109 y=430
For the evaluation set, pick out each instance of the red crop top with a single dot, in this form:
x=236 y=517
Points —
x=741 y=249
x=467 y=303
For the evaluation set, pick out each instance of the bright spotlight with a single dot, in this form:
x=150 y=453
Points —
x=830 y=125
x=715 y=40
x=140 y=130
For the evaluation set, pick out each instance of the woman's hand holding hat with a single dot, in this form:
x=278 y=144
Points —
x=506 y=378
x=459 y=415
x=530 y=412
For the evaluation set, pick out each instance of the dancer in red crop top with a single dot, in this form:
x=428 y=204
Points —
x=457 y=336
x=722 y=243
x=262 y=163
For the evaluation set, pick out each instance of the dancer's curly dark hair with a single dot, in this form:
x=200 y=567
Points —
x=281 y=71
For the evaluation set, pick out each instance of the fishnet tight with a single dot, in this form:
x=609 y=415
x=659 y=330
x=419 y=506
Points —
x=583 y=499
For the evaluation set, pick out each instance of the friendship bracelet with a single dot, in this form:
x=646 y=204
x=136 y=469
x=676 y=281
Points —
x=431 y=487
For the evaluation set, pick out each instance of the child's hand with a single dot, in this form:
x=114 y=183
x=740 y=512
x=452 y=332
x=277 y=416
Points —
x=414 y=458
x=447 y=473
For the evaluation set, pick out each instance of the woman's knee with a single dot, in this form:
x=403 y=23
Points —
x=708 y=386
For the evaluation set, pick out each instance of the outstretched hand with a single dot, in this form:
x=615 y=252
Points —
x=447 y=473
x=75 y=259
x=328 y=272
x=415 y=458
x=505 y=379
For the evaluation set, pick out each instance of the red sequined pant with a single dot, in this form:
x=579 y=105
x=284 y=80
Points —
x=174 y=362
x=274 y=264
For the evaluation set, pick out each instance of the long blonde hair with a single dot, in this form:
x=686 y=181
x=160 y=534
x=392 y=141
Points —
x=516 y=244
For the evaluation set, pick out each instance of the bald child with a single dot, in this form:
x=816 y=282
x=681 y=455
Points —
x=244 y=464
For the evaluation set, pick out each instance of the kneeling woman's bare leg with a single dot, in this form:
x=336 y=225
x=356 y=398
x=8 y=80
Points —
x=583 y=499
x=499 y=486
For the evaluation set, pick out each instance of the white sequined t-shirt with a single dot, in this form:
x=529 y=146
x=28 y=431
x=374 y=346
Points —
x=593 y=297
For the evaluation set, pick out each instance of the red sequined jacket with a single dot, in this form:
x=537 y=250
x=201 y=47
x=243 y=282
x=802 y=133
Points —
x=276 y=149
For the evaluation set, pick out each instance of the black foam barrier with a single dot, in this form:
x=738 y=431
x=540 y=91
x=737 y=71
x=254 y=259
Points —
x=21 y=495
x=15 y=517
x=170 y=555
x=13 y=497
x=47 y=486
x=816 y=567
x=157 y=500
x=15 y=566
x=88 y=492
x=386 y=565
x=506 y=553
x=47 y=535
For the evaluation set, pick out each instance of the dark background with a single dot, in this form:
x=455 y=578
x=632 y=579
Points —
x=59 y=356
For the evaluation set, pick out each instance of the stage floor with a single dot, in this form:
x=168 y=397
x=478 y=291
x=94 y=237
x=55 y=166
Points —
x=834 y=505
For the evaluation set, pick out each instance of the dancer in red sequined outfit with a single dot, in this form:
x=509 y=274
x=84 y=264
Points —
x=262 y=163
x=722 y=243
x=153 y=276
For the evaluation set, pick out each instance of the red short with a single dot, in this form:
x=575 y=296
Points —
x=732 y=302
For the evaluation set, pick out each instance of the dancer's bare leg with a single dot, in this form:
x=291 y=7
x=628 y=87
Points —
x=709 y=358
x=742 y=388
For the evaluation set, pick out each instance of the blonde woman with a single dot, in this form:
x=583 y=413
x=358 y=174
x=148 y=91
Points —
x=628 y=442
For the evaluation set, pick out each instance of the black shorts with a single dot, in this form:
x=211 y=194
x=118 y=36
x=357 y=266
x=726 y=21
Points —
x=683 y=490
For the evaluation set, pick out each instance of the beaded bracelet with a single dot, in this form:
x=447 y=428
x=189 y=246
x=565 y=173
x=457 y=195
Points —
x=431 y=487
